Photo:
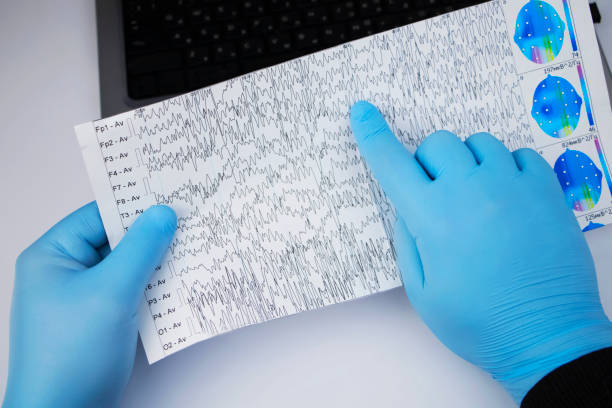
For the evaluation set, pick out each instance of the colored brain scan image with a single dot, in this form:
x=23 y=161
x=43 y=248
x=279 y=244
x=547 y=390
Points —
x=539 y=31
x=556 y=106
x=580 y=179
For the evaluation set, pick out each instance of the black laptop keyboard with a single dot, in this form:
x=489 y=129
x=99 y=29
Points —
x=175 y=46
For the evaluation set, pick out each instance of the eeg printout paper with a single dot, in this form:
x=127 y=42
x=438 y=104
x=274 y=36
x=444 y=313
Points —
x=278 y=214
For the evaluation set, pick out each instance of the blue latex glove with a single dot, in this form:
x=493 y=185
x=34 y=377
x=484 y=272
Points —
x=491 y=257
x=74 y=318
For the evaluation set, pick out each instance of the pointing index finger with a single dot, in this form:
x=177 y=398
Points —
x=395 y=168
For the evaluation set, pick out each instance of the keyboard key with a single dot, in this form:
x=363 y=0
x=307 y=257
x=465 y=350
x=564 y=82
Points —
x=344 y=11
x=182 y=38
x=316 y=16
x=134 y=27
x=185 y=4
x=378 y=6
x=355 y=30
x=225 y=11
x=234 y=30
x=141 y=8
x=252 y=47
x=280 y=5
x=306 y=38
x=370 y=8
x=200 y=15
x=134 y=8
x=208 y=34
x=396 y=6
x=173 y=19
x=351 y=9
x=334 y=34
x=198 y=56
x=288 y=21
x=224 y=52
x=263 y=25
x=368 y=26
x=279 y=43
x=253 y=8
x=138 y=44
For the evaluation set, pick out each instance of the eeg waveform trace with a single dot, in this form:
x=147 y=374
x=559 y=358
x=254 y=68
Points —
x=277 y=212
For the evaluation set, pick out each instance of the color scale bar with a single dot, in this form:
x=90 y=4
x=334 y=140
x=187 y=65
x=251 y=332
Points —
x=602 y=160
x=587 y=106
x=585 y=94
x=570 y=25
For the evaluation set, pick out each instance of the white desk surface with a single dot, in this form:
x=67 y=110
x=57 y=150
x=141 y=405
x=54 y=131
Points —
x=370 y=352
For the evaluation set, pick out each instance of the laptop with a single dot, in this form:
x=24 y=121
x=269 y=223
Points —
x=150 y=50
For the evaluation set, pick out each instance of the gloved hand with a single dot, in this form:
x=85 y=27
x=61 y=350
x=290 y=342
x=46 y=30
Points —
x=74 y=318
x=491 y=257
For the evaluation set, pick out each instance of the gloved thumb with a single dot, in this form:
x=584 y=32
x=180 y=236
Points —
x=127 y=269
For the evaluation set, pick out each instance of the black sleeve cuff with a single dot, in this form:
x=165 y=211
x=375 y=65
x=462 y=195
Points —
x=584 y=382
